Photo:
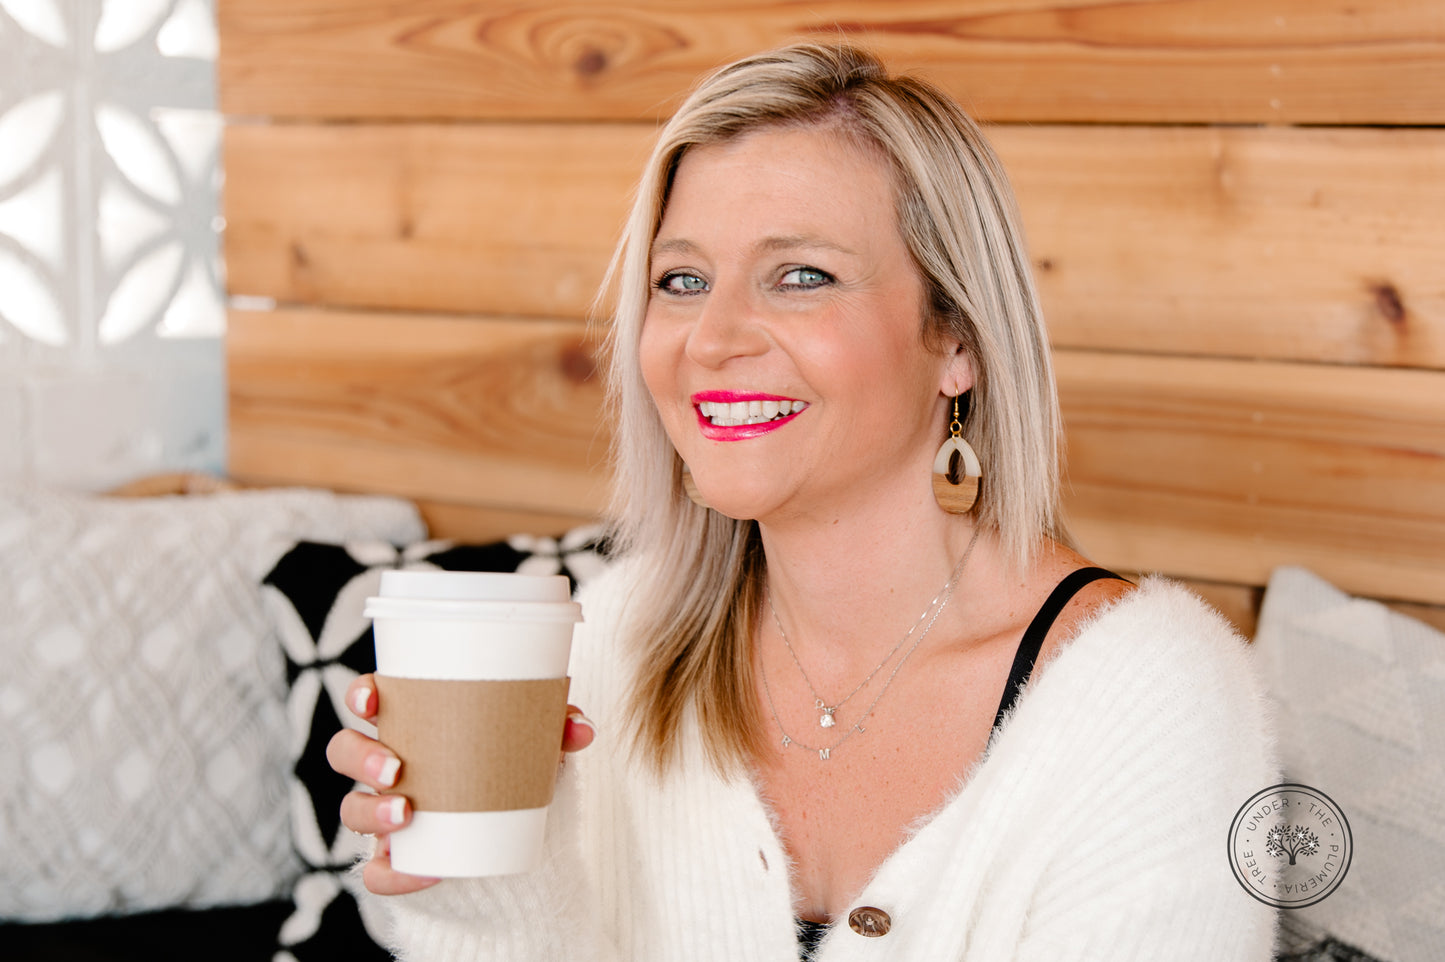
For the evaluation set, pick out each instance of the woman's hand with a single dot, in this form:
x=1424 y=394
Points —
x=371 y=763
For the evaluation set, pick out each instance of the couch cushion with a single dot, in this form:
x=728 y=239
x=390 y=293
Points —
x=1359 y=691
x=142 y=723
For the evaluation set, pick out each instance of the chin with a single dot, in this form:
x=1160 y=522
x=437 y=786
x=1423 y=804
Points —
x=740 y=505
x=733 y=508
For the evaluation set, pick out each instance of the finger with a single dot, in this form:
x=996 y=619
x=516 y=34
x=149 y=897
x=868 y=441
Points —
x=362 y=759
x=361 y=697
x=379 y=877
x=379 y=815
x=579 y=731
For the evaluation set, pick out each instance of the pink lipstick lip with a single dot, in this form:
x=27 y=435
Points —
x=732 y=397
x=741 y=432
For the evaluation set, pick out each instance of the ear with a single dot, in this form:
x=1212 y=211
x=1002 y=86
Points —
x=957 y=372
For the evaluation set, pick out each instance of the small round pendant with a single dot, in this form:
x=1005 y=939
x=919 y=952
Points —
x=826 y=721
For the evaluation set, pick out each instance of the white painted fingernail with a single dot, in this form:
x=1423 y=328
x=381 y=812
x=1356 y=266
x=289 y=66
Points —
x=396 y=810
x=387 y=775
x=578 y=718
x=358 y=701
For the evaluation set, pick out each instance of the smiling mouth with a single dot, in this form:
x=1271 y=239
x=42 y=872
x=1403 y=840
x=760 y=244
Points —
x=728 y=414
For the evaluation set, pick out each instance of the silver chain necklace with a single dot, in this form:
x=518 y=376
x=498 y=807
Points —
x=826 y=717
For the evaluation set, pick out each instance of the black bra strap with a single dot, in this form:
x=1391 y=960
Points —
x=1038 y=629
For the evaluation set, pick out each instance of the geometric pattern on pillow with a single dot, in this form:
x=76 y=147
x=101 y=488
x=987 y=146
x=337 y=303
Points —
x=316 y=593
x=1359 y=697
x=142 y=722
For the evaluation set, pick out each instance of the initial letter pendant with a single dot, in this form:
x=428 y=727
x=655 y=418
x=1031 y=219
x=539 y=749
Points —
x=823 y=753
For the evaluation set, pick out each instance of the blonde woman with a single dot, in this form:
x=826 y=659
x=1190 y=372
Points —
x=854 y=694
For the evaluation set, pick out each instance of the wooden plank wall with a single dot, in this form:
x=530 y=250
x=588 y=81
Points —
x=1236 y=209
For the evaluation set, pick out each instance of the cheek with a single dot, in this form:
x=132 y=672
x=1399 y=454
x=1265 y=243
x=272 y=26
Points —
x=657 y=358
x=654 y=359
x=876 y=353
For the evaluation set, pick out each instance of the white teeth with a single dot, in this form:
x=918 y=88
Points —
x=724 y=414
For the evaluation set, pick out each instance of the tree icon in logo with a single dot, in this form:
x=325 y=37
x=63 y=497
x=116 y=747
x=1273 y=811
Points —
x=1283 y=840
x=1267 y=849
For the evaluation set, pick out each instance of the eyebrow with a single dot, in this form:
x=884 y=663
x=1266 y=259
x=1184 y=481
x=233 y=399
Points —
x=681 y=245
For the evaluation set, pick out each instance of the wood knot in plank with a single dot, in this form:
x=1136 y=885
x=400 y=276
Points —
x=590 y=47
x=591 y=63
x=1388 y=301
x=578 y=365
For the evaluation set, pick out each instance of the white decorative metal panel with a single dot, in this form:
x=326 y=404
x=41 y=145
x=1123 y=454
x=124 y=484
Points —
x=109 y=249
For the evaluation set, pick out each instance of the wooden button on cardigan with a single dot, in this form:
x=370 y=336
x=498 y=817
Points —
x=870 y=922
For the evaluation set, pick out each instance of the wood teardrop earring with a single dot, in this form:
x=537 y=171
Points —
x=956 y=471
x=689 y=486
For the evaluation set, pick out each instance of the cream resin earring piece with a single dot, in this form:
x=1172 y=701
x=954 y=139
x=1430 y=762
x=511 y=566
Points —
x=956 y=497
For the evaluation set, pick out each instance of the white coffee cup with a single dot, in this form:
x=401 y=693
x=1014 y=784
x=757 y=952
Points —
x=472 y=689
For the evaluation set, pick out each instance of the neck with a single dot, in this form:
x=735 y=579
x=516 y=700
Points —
x=846 y=590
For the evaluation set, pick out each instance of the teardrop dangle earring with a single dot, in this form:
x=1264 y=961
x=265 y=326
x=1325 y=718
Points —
x=956 y=496
x=689 y=486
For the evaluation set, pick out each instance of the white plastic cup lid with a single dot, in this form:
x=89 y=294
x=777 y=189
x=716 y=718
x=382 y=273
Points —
x=473 y=595
x=474 y=586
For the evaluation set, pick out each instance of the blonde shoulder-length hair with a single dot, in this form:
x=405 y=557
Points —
x=702 y=572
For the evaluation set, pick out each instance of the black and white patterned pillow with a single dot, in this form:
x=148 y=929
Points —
x=315 y=594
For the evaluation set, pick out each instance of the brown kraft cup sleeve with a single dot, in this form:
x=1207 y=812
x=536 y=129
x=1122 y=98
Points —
x=473 y=746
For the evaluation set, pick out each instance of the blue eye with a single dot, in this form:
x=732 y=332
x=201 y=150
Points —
x=805 y=277
x=680 y=283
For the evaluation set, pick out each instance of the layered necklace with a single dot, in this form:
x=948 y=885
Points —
x=827 y=713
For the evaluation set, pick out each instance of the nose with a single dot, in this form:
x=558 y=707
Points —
x=728 y=325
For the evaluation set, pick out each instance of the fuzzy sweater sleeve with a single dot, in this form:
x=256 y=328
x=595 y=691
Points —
x=1152 y=878
x=541 y=916
x=538 y=916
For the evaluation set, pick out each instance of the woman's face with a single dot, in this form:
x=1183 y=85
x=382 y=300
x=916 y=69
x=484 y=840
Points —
x=782 y=340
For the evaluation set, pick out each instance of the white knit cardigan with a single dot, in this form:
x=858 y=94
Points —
x=1094 y=827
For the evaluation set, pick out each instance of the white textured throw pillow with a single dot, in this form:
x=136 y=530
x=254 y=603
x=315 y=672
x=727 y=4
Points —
x=143 y=733
x=1360 y=694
